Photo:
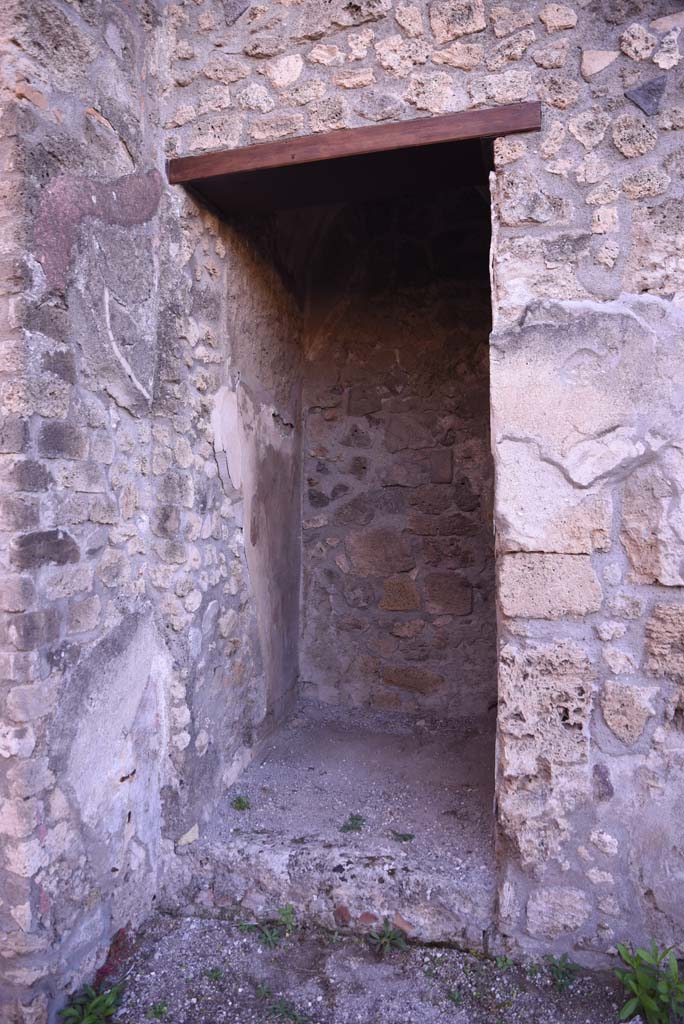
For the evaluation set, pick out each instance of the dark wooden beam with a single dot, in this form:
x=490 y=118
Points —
x=354 y=142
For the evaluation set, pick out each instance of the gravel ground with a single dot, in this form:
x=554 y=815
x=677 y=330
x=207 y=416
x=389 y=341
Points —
x=201 y=971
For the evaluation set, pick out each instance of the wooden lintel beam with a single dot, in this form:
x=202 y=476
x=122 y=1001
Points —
x=346 y=142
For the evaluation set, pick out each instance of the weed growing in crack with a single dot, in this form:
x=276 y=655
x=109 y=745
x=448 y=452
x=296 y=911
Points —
x=387 y=939
x=91 y=1007
x=214 y=974
x=563 y=972
x=403 y=837
x=654 y=982
x=285 y=1010
x=455 y=996
x=240 y=803
x=287 y=918
x=158 y=1011
x=354 y=823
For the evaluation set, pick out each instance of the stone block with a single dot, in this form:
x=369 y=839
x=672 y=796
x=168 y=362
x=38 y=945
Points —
x=626 y=709
x=545 y=699
x=451 y=19
x=16 y=593
x=379 y=552
x=665 y=641
x=58 y=439
x=447 y=593
x=541 y=586
x=409 y=677
x=556 y=910
x=46 y=547
x=400 y=594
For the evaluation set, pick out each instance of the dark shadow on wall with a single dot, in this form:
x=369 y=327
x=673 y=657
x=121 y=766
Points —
x=397 y=589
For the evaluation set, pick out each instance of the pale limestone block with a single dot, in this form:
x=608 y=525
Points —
x=595 y=61
x=507 y=87
x=647 y=182
x=326 y=54
x=507 y=19
x=604 y=221
x=668 y=22
x=653 y=521
x=637 y=42
x=558 y=17
x=545 y=695
x=626 y=709
x=465 y=56
x=432 y=91
x=604 y=842
x=667 y=55
x=410 y=18
x=589 y=127
x=664 y=646
x=632 y=136
x=620 y=663
x=450 y=19
x=538 y=509
x=548 y=586
x=554 y=911
x=284 y=71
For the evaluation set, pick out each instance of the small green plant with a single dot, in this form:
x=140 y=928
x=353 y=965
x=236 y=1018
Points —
x=455 y=996
x=354 y=823
x=269 y=935
x=403 y=837
x=263 y=991
x=503 y=963
x=158 y=1011
x=214 y=974
x=563 y=971
x=240 y=803
x=387 y=939
x=287 y=918
x=91 y=1007
x=286 y=1011
x=656 y=986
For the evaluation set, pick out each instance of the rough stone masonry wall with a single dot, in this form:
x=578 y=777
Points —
x=139 y=672
x=398 y=566
x=129 y=604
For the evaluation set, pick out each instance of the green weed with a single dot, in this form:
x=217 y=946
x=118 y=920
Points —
x=656 y=986
x=91 y=1007
x=158 y=1011
x=403 y=837
x=214 y=974
x=354 y=823
x=240 y=803
x=285 y=1010
x=563 y=971
x=387 y=939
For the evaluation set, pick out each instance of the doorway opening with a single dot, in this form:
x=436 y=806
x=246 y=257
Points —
x=375 y=797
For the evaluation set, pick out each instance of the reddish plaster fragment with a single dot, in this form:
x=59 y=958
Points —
x=131 y=199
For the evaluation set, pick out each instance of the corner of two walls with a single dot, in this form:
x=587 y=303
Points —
x=139 y=667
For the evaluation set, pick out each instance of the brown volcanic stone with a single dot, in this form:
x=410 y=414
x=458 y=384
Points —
x=411 y=678
x=400 y=594
x=448 y=593
x=379 y=552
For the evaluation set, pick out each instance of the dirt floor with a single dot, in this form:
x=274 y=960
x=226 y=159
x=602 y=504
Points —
x=360 y=813
x=201 y=971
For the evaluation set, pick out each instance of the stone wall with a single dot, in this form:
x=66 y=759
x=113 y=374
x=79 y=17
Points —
x=130 y=608
x=398 y=569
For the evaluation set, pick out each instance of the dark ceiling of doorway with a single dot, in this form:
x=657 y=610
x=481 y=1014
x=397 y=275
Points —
x=418 y=156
